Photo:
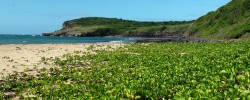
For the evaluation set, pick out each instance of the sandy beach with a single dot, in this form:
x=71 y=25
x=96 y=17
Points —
x=20 y=57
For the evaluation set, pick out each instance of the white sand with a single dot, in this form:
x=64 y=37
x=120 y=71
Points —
x=17 y=58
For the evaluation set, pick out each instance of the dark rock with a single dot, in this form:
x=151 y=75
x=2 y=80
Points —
x=177 y=39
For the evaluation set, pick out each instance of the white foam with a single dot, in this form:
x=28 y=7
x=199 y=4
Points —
x=116 y=41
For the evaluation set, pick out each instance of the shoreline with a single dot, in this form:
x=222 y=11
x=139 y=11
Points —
x=21 y=57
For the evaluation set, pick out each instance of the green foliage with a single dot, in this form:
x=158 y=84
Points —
x=231 y=21
x=99 y=26
x=152 y=31
x=144 y=71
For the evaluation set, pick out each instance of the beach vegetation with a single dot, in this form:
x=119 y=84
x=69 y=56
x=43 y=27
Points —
x=141 y=71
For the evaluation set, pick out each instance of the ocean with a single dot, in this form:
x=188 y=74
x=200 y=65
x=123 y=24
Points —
x=37 y=39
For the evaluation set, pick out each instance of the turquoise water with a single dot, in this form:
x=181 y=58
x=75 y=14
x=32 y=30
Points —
x=36 y=39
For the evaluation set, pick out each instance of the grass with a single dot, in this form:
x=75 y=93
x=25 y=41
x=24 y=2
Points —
x=99 y=26
x=228 y=22
x=142 y=71
x=159 y=30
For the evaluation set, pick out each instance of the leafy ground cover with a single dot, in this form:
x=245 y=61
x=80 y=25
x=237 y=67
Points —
x=142 y=71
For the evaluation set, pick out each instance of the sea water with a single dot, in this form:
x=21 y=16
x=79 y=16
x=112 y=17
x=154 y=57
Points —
x=37 y=39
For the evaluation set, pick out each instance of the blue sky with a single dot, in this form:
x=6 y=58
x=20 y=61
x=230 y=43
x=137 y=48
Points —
x=41 y=16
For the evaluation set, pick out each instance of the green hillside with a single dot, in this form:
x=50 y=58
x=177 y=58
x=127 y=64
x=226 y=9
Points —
x=231 y=21
x=99 y=26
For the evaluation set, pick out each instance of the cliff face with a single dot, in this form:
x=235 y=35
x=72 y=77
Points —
x=231 y=21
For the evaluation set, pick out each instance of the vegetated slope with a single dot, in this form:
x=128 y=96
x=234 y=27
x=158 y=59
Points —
x=99 y=26
x=231 y=21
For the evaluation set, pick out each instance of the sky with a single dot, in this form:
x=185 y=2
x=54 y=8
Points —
x=42 y=16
